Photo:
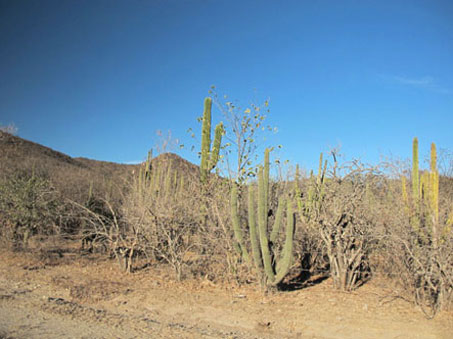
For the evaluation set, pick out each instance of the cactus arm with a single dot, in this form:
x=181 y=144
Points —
x=434 y=185
x=262 y=223
x=404 y=195
x=214 y=158
x=236 y=227
x=266 y=182
x=415 y=186
x=167 y=180
x=320 y=171
x=297 y=192
x=253 y=232
x=205 y=138
x=278 y=220
x=284 y=263
x=415 y=173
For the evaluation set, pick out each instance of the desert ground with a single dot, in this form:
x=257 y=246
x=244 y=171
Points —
x=63 y=294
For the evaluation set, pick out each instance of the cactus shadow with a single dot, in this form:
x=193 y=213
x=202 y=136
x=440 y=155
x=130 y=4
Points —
x=303 y=280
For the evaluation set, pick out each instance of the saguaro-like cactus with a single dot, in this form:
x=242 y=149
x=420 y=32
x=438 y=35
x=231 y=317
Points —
x=209 y=158
x=415 y=186
x=434 y=186
x=425 y=196
x=263 y=244
x=415 y=172
x=311 y=203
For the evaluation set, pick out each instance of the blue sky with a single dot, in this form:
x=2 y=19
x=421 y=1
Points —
x=98 y=78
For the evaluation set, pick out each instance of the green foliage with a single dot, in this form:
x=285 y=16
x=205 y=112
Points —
x=245 y=130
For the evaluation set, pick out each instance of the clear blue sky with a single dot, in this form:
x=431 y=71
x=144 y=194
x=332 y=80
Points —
x=98 y=78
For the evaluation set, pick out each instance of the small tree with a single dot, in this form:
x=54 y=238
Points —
x=243 y=130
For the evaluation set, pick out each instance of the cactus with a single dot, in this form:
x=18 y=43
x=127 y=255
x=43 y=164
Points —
x=415 y=173
x=425 y=197
x=434 y=186
x=262 y=244
x=404 y=195
x=144 y=173
x=415 y=186
x=241 y=249
x=209 y=158
x=315 y=195
x=158 y=179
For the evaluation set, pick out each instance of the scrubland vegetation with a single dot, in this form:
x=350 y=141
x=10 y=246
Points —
x=348 y=221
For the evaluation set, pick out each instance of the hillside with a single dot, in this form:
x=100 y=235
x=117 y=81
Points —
x=72 y=177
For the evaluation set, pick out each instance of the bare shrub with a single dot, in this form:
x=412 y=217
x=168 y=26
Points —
x=162 y=212
x=422 y=267
x=339 y=210
x=417 y=240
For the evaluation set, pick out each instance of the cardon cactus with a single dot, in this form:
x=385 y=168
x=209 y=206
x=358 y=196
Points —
x=209 y=157
x=309 y=205
x=263 y=244
x=425 y=196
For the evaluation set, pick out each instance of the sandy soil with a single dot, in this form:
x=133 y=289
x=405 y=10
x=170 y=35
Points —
x=69 y=296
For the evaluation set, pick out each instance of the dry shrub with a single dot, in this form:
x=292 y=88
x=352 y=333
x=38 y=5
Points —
x=345 y=224
x=418 y=260
x=162 y=213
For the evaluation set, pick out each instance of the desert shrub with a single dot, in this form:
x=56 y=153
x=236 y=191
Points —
x=163 y=214
x=421 y=266
x=345 y=225
x=29 y=205
x=417 y=239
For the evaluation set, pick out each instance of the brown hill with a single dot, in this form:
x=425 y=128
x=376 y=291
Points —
x=72 y=177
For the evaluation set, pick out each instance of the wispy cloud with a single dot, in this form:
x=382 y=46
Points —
x=426 y=82
x=421 y=82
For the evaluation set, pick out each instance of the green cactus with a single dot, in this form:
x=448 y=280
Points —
x=145 y=173
x=311 y=203
x=415 y=186
x=425 y=197
x=415 y=173
x=434 y=186
x=241 y=249
x=262 y=244
x=256 y=252
x=209 y=158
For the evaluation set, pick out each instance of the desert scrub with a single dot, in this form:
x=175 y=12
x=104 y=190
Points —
x=28 y=205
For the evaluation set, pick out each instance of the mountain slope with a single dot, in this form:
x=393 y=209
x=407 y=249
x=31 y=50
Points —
x=72 y=177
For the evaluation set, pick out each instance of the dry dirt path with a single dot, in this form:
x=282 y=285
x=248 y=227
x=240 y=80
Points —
x=73 y=297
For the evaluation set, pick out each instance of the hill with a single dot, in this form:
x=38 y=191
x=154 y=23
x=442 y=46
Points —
x=72 y=177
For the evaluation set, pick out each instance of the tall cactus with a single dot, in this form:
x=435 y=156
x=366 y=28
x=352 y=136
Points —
x=415 y=172
x=263 y=245
x=434 y=186
x=425 y=196
x=311 y=203
x=415 y=186
x=209 y=158
x=240 y=248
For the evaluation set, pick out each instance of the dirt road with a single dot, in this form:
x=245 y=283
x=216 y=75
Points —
x=73 y=297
